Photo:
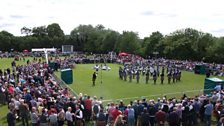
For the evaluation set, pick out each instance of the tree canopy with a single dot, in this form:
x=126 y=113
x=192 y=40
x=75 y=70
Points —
x=183 y=44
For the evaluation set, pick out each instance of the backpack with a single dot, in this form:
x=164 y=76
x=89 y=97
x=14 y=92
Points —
x=95 y=109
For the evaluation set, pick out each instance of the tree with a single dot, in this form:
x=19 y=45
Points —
x=187 y=44
x=55 y=36
x=80 y=35
x=182 y=44
x=100 y=27
x=91 y=43
x=129 y=42
x=27 y=31
x=215 y=51
x=153 y=43
x=54 y=30
x=109 y=41
x=5 y=41
x=39 y=31
x=28 y=42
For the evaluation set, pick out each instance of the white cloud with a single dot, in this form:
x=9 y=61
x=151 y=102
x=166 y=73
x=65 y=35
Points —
x=142 y=16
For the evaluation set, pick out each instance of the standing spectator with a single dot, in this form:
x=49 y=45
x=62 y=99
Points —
x=152 y=111
x=11 y=104
x=116 y=112
x=144 y=118
x=192 y=114
x=68 y=116
x=24 y=111
x=196 y=106
x=33 y=102
x=173 y=118
x=40 y=108
x=96 y=109
x=121 y=106
x=28 y=97
x=140 y=109
x=217 y=110
x=88 y=108
x=101 y=118
x=179 y=110
x=110 y=110
x=61 y=117
x=160 y=118
x=11 y=118
x=208 y=113
x=53 y=119
x=131 y=116
x=43 y=118
x=17 y=104
x=202 y=110
x=135 y=107
x=186 y=116
x=78 y=116
x=2 y=93
x=34 y=117
x=11 y=89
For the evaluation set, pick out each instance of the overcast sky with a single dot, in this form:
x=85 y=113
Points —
x=141 y=16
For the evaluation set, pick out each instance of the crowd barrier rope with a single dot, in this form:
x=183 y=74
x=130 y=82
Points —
x=64 y=85
x=177 y=95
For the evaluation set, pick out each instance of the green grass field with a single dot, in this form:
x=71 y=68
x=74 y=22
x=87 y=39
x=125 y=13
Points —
x=114 y=89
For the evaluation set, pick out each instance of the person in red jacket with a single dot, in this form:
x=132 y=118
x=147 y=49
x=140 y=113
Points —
x=88 y=108
x=160 y=117
x=115 y=113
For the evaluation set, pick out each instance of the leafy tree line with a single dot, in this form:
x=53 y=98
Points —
x=183 y=44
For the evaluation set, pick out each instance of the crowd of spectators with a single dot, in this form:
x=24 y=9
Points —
x=215 y=69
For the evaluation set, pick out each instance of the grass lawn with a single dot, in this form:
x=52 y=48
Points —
x=6 y=62
x=113 y=88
